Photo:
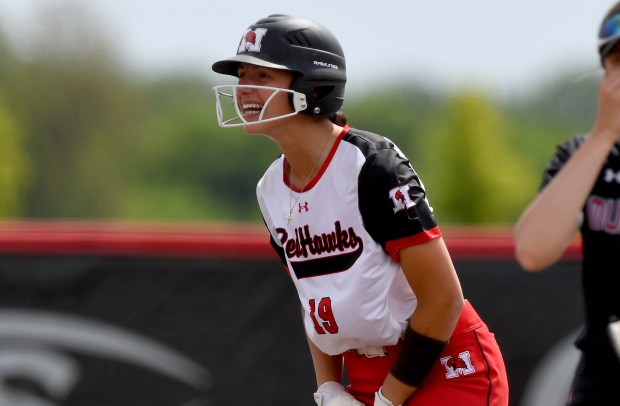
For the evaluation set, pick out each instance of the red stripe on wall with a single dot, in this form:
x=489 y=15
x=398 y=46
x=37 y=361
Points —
x=209 y=240
x=134 y=239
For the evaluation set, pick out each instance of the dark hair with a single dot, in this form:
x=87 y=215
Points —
x=338 y=118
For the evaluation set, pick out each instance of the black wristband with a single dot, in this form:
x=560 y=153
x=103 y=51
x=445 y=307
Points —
x=417 y=355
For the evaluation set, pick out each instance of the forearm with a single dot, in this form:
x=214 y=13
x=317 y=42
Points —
x=436 y=317
x=431 y=274
x=326 y=367
x=434 y=320
x=552 y=219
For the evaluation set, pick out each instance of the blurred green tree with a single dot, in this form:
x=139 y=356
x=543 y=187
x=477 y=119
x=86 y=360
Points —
x=78 y=112
x=474 y=177
x=398 y=113
x=102 y=142
x=14 y=165
x=191 y=169
x=552 y=112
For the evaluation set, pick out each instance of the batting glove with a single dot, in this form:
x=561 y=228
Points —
x=333 y=394
x=381 y=400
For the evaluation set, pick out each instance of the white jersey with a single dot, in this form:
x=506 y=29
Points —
x=341 y=245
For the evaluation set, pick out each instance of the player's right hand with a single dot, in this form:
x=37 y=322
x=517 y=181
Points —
x=608 y=110
x=333 y=394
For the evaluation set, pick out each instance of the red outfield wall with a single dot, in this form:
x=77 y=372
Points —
x=169 y=314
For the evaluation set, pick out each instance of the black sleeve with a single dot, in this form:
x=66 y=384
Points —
x=562 y=154
x=392 y=198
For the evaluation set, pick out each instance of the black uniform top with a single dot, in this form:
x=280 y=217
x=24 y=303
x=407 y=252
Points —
x=600 y=231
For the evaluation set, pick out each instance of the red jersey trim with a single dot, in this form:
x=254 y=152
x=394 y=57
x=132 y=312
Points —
x=323 y=168
x=392 y=247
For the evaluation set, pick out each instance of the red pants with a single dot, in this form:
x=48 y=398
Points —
x=470 y=370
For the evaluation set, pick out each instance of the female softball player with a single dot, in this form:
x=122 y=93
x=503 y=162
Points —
x=580 y=191
x=350 y=219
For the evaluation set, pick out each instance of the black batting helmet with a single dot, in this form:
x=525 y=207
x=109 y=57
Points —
x=299 y=45
x=609 y=31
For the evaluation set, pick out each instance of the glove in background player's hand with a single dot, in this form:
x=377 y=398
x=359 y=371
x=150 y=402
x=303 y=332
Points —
x=613 y=329
x=333 y=394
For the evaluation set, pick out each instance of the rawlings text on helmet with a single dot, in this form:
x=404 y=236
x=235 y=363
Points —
x=325 y=64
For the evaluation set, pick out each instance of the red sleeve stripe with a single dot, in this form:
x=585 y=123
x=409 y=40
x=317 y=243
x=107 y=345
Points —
x=392 y=247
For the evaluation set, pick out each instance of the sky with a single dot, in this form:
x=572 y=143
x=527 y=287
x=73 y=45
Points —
x=501 y=46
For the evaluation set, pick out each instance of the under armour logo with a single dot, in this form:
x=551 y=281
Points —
x=303 y=207
x=611 y=176
x=460 y=365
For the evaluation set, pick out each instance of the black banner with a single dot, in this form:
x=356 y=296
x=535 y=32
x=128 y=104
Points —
x=125 y=329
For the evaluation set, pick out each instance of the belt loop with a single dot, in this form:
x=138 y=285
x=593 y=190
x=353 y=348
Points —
x=372 y=352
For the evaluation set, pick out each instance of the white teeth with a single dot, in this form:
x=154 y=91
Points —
x=252 y=108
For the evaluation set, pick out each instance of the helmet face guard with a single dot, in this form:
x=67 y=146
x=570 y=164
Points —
x=609 y=35
x=229 y=113
x=301 y=46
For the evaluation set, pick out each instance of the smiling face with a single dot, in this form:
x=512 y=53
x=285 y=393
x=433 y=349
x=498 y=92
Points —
x=256 y=103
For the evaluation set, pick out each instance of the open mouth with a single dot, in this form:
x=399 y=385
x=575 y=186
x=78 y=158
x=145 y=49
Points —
x=251 y=109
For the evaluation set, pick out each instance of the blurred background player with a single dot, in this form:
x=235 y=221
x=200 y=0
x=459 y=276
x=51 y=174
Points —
x=581 y=191
x=350 y=219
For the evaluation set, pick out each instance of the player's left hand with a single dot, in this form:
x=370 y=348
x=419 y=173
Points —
x=333 y=394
